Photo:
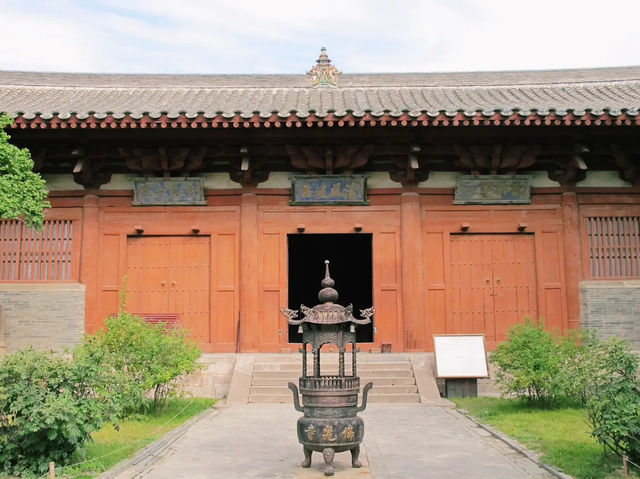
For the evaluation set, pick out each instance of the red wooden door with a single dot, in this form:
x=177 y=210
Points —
x=493 y=284
x=171 y=274
x=273 y=291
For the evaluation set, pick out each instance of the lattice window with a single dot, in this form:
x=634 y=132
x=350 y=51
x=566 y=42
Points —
x=31 y=255
x=614 y=244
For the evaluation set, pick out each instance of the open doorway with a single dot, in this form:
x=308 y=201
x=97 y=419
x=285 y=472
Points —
x=351 y=267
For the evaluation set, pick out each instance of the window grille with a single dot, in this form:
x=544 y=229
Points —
x=32 y=255
x=614 y=244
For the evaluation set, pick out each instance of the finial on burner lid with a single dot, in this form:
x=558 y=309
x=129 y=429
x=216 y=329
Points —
x=327 y=294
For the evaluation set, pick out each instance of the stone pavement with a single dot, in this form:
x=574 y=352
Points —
x=401 y=441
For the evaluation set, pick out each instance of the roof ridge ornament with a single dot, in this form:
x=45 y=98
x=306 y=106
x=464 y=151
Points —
x=324 y=74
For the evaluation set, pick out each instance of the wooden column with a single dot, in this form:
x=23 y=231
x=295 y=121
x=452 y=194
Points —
x=572 y=256
x=413 y=320
x=249 y=327
x=89 y=260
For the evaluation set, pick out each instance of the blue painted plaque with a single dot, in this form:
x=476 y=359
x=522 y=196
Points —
x=168 y=191
x=493 y=190
x=329 y=190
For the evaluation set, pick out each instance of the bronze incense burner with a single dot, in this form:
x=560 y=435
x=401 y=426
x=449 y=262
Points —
x=330 y=403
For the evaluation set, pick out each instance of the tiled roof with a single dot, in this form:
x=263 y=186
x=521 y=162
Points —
x=611 y=91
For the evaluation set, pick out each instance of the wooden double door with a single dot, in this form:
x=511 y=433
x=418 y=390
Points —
x=171 y=274
x=493 y=283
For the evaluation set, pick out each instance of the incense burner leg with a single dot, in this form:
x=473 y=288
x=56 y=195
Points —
x=328 y=454
x=355 y=453
x=307 y=457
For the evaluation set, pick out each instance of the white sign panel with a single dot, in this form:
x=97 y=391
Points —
x=460 y=356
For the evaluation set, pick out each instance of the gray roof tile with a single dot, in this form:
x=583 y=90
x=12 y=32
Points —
x=611 y=90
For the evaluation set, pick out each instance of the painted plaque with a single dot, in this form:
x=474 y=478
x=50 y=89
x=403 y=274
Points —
x=168 y=191
x=329 y=190
x=460 y=356
x=493 y=190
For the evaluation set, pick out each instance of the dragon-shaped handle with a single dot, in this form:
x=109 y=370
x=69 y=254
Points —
x=296 y=397
x=365 y=394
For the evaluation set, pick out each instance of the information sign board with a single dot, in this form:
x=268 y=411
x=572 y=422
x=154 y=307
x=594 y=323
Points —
x=460 y=356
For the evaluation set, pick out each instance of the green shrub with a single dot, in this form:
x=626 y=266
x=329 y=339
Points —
x=47 y=410
x=601 y=375
x=585 y=360
x=135 y=358
x=529 y=362
x=613 y=400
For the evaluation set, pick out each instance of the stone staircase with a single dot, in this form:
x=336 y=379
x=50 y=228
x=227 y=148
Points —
x=392 y=376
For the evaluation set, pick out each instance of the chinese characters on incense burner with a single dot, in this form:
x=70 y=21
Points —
x=330 y=403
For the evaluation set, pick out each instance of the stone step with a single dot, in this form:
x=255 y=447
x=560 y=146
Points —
x=377 y=390
x=405 y=398
x=362 y=366
x=403 y=381
x=327 y=356
x=270 y=398
x=380 y=398
x=393 y=377
x=377 y=373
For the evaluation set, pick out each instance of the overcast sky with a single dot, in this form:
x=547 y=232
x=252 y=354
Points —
x=285 y=36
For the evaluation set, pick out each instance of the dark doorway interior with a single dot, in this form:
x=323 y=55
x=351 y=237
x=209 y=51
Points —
x=351 y=267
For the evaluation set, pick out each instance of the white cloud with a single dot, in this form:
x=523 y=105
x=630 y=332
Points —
x=284 y=36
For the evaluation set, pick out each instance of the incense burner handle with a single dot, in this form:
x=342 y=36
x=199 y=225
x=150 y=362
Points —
x=296 y=397
x=365 y=394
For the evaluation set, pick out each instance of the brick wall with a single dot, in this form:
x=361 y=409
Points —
x=611 y=308
x=42 y=315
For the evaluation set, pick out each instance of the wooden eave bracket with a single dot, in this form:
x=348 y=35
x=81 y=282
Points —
x=409 y=170
x=249 y=172
x=329 y=159
x=496 y=158
x=628 y=168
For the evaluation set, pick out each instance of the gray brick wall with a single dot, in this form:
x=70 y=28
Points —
x=42 y=315
x=611 y=308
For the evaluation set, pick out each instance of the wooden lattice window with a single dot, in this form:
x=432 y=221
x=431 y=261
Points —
x=614 y=246
x=36 y=255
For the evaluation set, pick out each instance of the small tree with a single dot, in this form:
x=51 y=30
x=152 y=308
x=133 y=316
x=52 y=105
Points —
x=132 y=358
x=613 y=399
x=22 y=192
x=47 y=410
x=529 y=362
x=151 y=357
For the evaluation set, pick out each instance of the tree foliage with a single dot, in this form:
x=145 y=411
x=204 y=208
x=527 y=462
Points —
x=47 y=410
x=133 y=358
x=529 y=362
x=601 y=376
x=22 y=192
x=613 y=399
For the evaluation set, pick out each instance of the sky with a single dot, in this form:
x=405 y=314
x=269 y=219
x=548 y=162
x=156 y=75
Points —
x=285 y=36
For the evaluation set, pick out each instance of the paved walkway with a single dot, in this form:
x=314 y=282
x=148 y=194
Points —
x=401 y=441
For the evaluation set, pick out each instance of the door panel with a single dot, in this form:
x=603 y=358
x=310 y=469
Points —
x=148 y=274
x=272 y=272
x=493 y=283
x=224 y=324
x=170 y=274
x=514 y=282
x=189 y=283
x=472 y=278
x=387 y=294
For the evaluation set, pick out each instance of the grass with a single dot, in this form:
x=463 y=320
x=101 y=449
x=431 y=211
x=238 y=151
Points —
x=560 y=436
x=109 y=446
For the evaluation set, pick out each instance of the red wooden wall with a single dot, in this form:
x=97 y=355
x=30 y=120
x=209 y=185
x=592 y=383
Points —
x=437 y=268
